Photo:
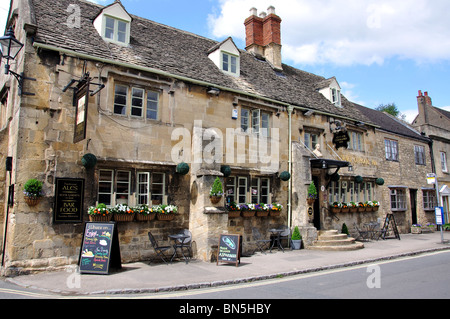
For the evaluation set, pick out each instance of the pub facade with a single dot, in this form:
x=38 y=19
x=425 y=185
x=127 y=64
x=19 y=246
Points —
x=117 y=111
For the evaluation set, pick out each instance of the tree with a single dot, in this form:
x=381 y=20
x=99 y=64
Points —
x=391 y=109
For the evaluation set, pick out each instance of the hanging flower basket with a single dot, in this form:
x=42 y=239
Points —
x=100 y=218
x=145 y=217
x=215 y=199
x=165 y=217
x=124 y=217
x=32 y=201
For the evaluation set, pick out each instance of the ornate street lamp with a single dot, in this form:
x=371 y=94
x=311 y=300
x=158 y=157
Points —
x=10 y=48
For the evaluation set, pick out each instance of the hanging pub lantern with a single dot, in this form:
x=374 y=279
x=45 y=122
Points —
x=182 y=168
x=89 y=161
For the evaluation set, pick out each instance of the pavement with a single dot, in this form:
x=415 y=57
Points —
x=145 y=277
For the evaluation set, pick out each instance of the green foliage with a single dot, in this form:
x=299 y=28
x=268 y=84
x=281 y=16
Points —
x=216 y=189
x=33 y=188
x=345 y=229
x=312 y=191
x=296 y=234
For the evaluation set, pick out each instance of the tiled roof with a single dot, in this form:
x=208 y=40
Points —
x=153 y=45
x=389 y=123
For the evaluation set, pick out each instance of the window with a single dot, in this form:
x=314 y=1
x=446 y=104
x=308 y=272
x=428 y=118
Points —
x=398 y=199
x=230 y=63
x=391 y=148
x=356 y=141
x=444 y=162
x=116 y=30
x=142 y=102
x=236 y=190
x=260 y=121
x=311 y=140
x=429 y=199
x=115 y=187
x=419 y=154
x=260 y=190
x=336 y=96
x=349 y=191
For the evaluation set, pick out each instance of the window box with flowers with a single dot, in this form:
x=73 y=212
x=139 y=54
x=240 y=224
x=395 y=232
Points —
x=248 y=210
x=275 y=210
x=262 y=210
x=99 y=213
x=416 y=229
x=361 y=207
x=122 y=213
x=165 y=212
x=345 y=208
x=234 y=210
x=144 y=213
x=336 y=207
x=353 y=207
x=32 y=191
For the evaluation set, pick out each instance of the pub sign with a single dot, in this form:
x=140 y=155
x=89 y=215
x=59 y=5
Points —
x=69 y=200
x=341 y=139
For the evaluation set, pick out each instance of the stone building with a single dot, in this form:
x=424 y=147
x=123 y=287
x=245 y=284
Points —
x=160 y=98
x=435 y=124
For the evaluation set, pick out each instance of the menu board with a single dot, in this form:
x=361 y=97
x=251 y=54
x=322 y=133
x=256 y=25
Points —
x=100 y=248
x=69 y=200
x=229 y=249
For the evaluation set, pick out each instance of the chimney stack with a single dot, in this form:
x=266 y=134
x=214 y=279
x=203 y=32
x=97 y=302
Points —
x=424 y=101
x=263 y=36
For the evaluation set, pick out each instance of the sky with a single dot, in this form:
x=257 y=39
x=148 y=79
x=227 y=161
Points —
x=380 y=51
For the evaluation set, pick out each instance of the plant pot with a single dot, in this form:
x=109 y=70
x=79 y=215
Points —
x=376 y=208
x=32 y=201
x=310 y=201
x=166 y=217
x=100 y=218
x=248 y=213
x=361 y=209
x=275 y=213
x=296 y=244
x=335 y=210
x=234 y=213
x=262 y=213
x=416 y=230
x=345 y=210
x=215 y=199
x=369 y=209
x=123 y=217
x=145 y=217
x=353 y=209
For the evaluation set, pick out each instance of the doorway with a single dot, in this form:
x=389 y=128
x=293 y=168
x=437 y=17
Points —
x=316 y=206
x=413 y=200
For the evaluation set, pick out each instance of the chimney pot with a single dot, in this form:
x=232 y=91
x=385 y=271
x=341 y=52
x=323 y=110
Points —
x=262 y=15
x=253 y=11
x=271 y=10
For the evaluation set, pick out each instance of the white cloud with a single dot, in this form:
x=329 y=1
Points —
x=348 y=32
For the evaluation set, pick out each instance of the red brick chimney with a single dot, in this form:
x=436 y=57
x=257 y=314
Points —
x=263 y=36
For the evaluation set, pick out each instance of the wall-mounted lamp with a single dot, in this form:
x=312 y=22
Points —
x=350 y=168
x=10 y=48
x=213 y=91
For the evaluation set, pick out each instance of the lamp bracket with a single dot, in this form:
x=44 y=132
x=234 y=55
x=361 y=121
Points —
x=21 y=78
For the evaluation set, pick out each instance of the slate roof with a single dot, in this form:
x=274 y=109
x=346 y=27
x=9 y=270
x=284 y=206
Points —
x=390 y=123
x=181 y=53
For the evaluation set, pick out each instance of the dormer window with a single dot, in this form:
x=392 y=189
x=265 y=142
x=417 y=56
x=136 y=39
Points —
x=113 y=24
x=116 y=30
x=226 y=57
x=336 y=96
x=331 y=90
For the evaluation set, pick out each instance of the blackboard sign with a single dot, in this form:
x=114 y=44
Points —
x=100 y=248
x=69 y=200
x=229 y=249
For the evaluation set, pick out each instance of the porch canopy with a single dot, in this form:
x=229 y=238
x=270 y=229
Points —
x=328 y=163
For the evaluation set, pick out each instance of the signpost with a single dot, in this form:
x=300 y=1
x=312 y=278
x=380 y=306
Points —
x=432 y=179
x=229 y=249
x=100 y=249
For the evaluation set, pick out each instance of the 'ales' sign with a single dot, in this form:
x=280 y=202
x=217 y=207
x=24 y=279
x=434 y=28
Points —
x=69 y=200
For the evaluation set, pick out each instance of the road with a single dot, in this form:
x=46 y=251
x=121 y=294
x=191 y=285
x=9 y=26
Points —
x=421 y=277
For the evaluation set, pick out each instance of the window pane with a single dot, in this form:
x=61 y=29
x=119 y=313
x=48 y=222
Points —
x=120 y=99
x=137 y=101
x=233 y=64
x=152 y=105
x=225 y=61
x=245 y=119
x=109 y=28
x=265 y=124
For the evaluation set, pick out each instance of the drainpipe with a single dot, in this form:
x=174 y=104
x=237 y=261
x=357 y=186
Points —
x=290 y=108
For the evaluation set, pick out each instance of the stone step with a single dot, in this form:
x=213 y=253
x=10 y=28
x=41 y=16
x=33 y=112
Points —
x=332 y=240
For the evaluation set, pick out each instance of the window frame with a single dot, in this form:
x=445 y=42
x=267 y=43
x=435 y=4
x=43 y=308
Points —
x=398 y=197
x=128 y=107
x=391 y=149
x=356 y=141
x=336 y=96
x=231 y=61
x=257 y=120
x=419 y=155
x=116 y=32
x=444 y=166
x=429 y=199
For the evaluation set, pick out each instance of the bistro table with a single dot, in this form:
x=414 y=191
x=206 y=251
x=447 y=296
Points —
x=178 y=238
x=276 y=238
x=372 y=231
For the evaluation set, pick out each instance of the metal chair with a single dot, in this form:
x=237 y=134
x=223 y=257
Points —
x=185 y=243
x=285 y=234
x=159 y=250
x=363 y=235
x=260 y=241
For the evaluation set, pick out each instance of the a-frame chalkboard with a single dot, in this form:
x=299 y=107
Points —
x=390 y=220
x=229 y=249
x=100 y=250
